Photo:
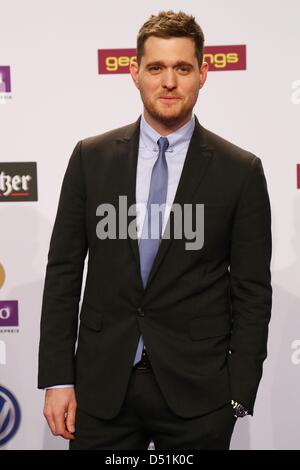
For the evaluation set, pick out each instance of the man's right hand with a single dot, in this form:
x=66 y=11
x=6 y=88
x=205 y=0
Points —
x=59 y=411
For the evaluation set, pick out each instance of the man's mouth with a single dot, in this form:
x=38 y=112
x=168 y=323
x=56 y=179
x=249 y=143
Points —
x=169 y=98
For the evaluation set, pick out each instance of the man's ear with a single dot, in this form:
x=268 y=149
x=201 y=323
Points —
x=134 y=72
x=203 y=74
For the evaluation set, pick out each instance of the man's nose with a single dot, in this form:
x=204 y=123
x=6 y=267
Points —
x=169 y=79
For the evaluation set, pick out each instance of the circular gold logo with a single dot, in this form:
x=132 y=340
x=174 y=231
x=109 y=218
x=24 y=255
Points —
x=2 y=276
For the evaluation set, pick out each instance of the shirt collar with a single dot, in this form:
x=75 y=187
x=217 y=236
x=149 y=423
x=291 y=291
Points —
x=150 y=136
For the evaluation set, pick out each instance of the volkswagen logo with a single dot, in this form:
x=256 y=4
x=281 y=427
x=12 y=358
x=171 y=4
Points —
x=9 y=415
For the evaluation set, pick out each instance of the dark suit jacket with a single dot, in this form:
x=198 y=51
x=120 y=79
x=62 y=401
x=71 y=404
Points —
x=203 y=315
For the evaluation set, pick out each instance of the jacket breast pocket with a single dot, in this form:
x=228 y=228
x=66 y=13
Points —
x=209 y=326
x=91 y=318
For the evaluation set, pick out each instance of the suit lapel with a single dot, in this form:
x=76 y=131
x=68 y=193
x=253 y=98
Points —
x=128 y=156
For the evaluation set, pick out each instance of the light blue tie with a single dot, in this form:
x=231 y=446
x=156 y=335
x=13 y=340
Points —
x=152 y=228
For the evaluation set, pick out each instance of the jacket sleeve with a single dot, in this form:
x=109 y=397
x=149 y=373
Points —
x=62 y=289
x=251 y=291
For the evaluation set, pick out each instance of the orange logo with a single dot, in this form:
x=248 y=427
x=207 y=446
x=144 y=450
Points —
x=2 y=275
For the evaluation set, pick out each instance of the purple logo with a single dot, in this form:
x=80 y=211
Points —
x=9 y=314
x=5 y=83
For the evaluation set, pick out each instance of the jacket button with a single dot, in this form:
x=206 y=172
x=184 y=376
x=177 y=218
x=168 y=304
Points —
x=141 y=312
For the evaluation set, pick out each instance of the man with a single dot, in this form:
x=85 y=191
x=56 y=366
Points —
x=172 y=338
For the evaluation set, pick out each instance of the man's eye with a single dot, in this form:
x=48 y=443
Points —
x=154 y=68
x=183 y=68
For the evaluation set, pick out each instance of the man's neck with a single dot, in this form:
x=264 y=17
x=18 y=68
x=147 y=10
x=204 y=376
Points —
x=162 y=128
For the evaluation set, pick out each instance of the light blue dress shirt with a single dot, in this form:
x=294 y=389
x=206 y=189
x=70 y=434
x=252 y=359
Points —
x=148 y=153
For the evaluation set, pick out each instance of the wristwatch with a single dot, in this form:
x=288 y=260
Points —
x=239 y=410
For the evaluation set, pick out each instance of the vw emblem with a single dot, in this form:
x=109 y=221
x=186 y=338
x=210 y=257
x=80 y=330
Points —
x=9 y=415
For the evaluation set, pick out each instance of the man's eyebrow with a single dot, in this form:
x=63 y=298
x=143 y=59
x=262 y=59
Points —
x=161 y=63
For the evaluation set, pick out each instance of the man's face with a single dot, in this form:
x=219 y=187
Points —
x=169 y=80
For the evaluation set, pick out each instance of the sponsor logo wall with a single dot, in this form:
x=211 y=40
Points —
x=60 y=88
x=18 y=183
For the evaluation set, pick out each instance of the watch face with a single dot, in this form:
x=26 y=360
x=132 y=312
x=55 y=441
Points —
x=240 y=411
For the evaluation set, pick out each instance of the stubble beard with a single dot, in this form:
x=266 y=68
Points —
x=170 y=120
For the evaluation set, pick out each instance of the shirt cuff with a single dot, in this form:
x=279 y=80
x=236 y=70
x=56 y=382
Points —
x=59 y=386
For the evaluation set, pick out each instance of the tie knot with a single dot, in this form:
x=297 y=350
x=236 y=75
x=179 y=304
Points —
x=163 y=144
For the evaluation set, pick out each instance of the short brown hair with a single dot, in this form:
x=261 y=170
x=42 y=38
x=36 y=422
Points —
x=169 y=24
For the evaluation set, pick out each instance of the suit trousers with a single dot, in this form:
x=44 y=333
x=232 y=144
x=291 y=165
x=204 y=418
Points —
x=145 y=417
